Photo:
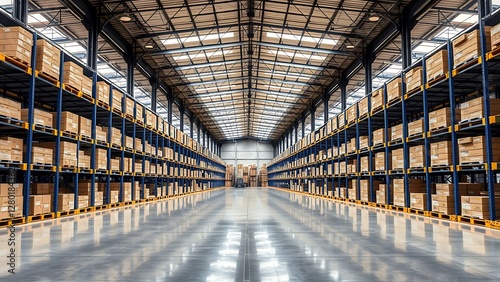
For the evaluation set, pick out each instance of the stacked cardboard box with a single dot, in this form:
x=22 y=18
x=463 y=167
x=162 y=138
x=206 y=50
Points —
x=83 y=159
x=84 y=126
x=363 y=106
x=102 y=92
x=69 y=122
x=15 y=192
x=115 y=164
x=341 y=121
x=66 y=202
x=10 y=108
x=414 y=186
x=397 y=159
x=263 y=176
x=16 y=42
x=351 y=114
x=87 y=85
x=468 y=46
x=380 y=161
x=365 y=164
x=418 y=201
x=101 y=158
x=151 y=119
x=437 y=64
x=41 y=155
x=441 y=153
x=478 y=206
x=394 y=89
x=40 y=117
x=442 y=118
x=379 y=136
x=417 y=154
x=67 y=152
x=365 y=189
x=116 y=135
x=413 y=78
x=397 y=132
x=129 y=106
x=40 y=204
x=100 y=134
x=11 y=149
x=377 y=99
x=117 y=99
x=473 y=149
x=139 y=112
x=72 y=75
x=381 y=194
x=495 y=37
x=48 y=58
x=416 y=127
x=475 y=108
x=444 y=199
x=363 y=142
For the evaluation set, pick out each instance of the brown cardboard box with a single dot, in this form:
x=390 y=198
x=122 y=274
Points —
x=41 y=155
x=100 y=134
x=478 y=206
x=86 y=85
x=397 y=159
x=84 y=126
x=67 y=152
x=473 y=149
x=11 y=149
x=117 y=100
x=363 y=142
x=363 y=106
x=365 y=164
x=468 y=46
x=12 y=207
x=69 y=122
x=417 y=154
x=66 y=202
x=447 y=189
x=416 y=128
x=101 y=158
x=379 y=136
x=139 y=112
x=394 y=89
x=83 y=160
x=73 y=74
x=377 y=99
x=40 y=117
x=48 y=58
x=475 y=108
x=443 y=204
x=129 y=106
x=341 y=120
x=418 y=201
x=442 y=118
x=14 y=189
x=495 y=37
x=437 y=65
x=441 y=153
x=83 y=201
x=16 y=42
x=103 y=91
x=10 y=108
x=413 y=78
x=380 y=161
x=151 y=119
x=116 y=135
x=351 y=114
x=36 y=204
x=397 y=132
x=42 y=188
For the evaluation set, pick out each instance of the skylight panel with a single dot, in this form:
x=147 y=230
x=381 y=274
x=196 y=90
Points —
x=465 y=18
x=426 y=47
x=51 y=33
x=298 y=55
x=448 y=33
x=198 y=39
x=277 y=88
x=202 y=55
x=289 y=36
x=34 y=18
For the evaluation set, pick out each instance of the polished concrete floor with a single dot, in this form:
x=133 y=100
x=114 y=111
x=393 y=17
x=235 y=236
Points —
x=251 y=234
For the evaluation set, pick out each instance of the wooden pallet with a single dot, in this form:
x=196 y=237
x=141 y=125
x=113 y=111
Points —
x=88 y=97
x=11 y=120
x=50 y=78
x=393 y=101
x=69 y=134
x=72 y=89
x=86 y=139
x=103 y=105
x=44 y=128
x=6 y=222
x=439 y=130
x=435 y=80
x=377 y=109
x=25 y=66
x=465 y=65
x=40 y=166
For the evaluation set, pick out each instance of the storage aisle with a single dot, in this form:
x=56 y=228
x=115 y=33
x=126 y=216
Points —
x=251 y=234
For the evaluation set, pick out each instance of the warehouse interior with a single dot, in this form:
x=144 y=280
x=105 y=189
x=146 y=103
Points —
x=363 y=133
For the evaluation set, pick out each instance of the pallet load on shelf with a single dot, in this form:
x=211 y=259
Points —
x=102 y=92
x=381 y=194
x=415 y=185
x=468 y=46
x=11 y=149
x=352 y=191
x=229 y=175
x=364 y=185
x=474 y=109
x=84 y=127
x=413 y=78
x=351 y=114
x=479 y=207
x=151 y=119
x=48 y=58
x=363 y=107
x=417 y=154
x=396 y=132
x=444 y=200
x=436 y=65
x=73 y=75
x=139 y=113
x=10 y=108
x=67 y=152
x=100 y=134
x=116 y=135
x=397 y=159
x=380 y=161
x=100 y=158
x=117 y=100
x=416 y=128
x=473 y=149
x=17 y=43
x=263 y=176
x=377 y=99
x=83 y=160
x=85 y=189
x=69 y=122
x=40 y=155
x=441 y=118
x=441 y=153
x=379 y=137
x=42 y=193
x=40 y=117
x=11 y=200
x=394 y=90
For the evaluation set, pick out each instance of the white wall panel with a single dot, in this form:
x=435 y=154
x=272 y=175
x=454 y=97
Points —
x=247 y=152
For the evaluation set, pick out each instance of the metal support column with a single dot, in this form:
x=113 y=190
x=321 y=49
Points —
x=313 y=118
x=20 y=10
x=181 y=117
x=92 y=43
x=303 y=121
x=198 y=133
x=191 y=127
x=154 y=95
x=325 y=99
x=343 y=93
x=130 y=74
x=170 y=102
x=405 y=42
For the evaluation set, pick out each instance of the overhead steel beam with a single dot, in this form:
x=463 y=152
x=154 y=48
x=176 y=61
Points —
x=294 y=65
x=195 y=49
x=246 y=78
x=245 y=99
x=269 y=92
x=304 y=49
x=204 y=65
x=285 y=64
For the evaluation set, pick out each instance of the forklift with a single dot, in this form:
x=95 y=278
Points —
x=239 y=183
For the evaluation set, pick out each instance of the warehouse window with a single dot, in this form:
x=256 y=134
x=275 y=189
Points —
x=448 y=33
x=465 y=18
x=6 y=5
x=198 y=39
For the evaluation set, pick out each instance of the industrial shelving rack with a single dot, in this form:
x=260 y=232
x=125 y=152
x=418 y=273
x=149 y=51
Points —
x=24 y=84
x=476 y=78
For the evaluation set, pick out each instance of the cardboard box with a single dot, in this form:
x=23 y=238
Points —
x=351 y=113
x=101 y=158
x=83 y=160
x=67 y=153
x=11 y=149
x=363 y=142
x=73 y=74
x=87 y=85
x=103 y=92
x=417 y=154
x=379 y=136
x=363 y=106
x=468 y=46
x=66 y=202
x=442 y=118
x=40 y=117
x=84 y=126
x=69 y=122
x=416 y=128
x=473 y=149
x=441 y=153
x=437 y=65
x=413 y=78
x=495 y=37
x=48 y=58
x=16 y=42
x=394 y=90
x=478 y=206
x=139 y=112
x=377 y=99
x=116 y=135
x=365 y=164
x=474 y=109
x=151 y=119
x=418 y=201
x=36 y=204
x=129 y=106
x=15 y=189
x=380 y=161
x=41 y=155
x=397 y=132
x=10 y=108
x=117 y=100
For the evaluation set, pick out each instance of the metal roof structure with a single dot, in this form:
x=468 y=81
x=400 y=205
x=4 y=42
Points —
x=249 y=69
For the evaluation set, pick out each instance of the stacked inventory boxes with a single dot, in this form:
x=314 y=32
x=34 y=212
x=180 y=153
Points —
x=41 y=155
x=437 y=65
x=468 y=46
x=413 y=78
x=394 y=90
x=263 y=176
x=444 y=199
x=11 y=149
x=441 y=153
x=414 y=186
x=381 y=194
x=40 y=117
x=229 y=175
x=67 y=153
x=102 y=92
x=48 y=58
x=478 y=206
x=73 y=75
x=474 y=109
x=253 y=175
x=17 y=43
x=12 y=209
x=442 y=118
x=10 y=108
x=473 y=149
x=69 y=122
x=365 y=189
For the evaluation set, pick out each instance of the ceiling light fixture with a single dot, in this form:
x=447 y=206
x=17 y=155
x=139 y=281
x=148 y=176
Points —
x=349 y=46
x=374 y=17
x=126 y=17
x=149 y=46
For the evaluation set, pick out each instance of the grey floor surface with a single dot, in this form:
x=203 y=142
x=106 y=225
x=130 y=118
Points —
x=251 y=234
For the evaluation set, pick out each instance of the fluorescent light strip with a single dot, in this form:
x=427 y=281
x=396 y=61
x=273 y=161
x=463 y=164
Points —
x=293 y=75
x=208 y=54
x=200 y=39
x=301 y=38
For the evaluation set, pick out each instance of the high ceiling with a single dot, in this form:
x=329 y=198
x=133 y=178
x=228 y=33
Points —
x=251 y=68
